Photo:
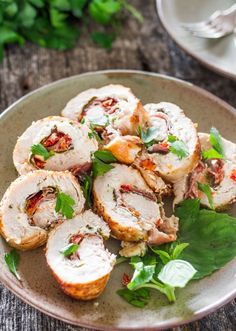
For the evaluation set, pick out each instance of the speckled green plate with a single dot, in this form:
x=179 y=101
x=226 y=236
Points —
x=109 y=311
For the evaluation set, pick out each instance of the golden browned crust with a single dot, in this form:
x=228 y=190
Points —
x=121 y=232
x=84 y=291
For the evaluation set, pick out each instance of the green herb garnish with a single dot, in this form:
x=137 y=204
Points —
x=93 y=133
x=39 y=149
x=101 y=162
x=86 y=186
x=217 y=150
x=103 y=39
x=12 y=260
x=64 y=204
x=148 y=136
x=69 y=249
x=178 y=147
x=205 y=188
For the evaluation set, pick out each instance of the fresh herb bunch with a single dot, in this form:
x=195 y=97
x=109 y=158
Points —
x=52 y=23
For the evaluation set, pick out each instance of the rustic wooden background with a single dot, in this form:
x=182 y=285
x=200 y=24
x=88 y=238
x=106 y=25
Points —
x=146 y=47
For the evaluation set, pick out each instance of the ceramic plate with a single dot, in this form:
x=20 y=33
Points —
x=109 y=311
x=218 y=54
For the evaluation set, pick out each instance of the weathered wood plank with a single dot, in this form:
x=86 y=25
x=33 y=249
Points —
x=146 y=47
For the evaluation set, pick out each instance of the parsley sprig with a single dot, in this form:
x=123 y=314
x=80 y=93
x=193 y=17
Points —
x=40 y=150
x=64 y=204
x=217 y=150
x=53 y=23
x=101 y=162
x=178 y=147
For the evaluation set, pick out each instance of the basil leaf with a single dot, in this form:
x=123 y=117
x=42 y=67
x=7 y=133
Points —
x=64 y=205
x=178 y=250
x=177 y=273
x=178 y=147
x=205 y=188
x=142 y=274
x=164 y=256
x=12 y=260
x=39 y=149
x=211 y=237
x=69 y=249
x=138 y=298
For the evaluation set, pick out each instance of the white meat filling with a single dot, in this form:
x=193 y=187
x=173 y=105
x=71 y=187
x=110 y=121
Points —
x=93 y=260
x=223 y=193
x=169 y=119
x=142 y=214
x=76 y=154
x=15 y=220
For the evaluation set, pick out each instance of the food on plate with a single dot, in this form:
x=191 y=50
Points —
x=172 y=145
x=126 y=157
x=112 y=111
x=34 y=203
x=131 y=209
x=54 y=143
x=77 y=257
x=213 y=180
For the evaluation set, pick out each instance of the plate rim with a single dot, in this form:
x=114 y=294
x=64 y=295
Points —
x=208 y=65
x=14 y=287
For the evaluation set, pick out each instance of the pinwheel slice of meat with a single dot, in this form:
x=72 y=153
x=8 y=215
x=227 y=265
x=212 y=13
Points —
x=172 y=144
x=36 y=202
x=54 y=143
x=113 y=111
x=83 y=272
x=113 y=105
x=218 y=174
x=130 y=207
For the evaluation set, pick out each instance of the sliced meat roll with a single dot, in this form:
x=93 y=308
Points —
x=130 y=208
x=113 y=111
x=36 y=202
x=54 y=143
x=77 y=257
x=172 y=143
x=113 y=105
x=218 y=174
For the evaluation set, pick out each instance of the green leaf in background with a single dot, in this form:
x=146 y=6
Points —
x=205 y=188
x=64 y=204
x=69 y=249
x=103 y=11
x=132 y=10
x=7 y=35
x=103 y=39
x=12 y=260
x=38 y=3
x=138 y=298
x=57 y=18
x=211 y=237
x=27 y=15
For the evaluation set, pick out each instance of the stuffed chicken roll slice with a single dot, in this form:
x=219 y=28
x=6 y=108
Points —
x=114 y=113
x=172 y=146
x=54 y=143
x=36 y=202
x=213 y=180
x=111 y=106
x=130 y=207
x=77 y=257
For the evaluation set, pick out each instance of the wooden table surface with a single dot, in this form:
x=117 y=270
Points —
x=147 y=47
